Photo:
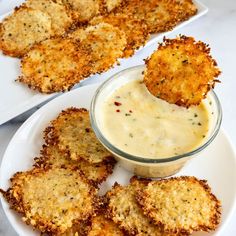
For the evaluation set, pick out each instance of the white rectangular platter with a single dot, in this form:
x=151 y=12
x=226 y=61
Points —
x=16 y=98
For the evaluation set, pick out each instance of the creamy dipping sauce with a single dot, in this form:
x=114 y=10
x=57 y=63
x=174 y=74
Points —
x=136 y=122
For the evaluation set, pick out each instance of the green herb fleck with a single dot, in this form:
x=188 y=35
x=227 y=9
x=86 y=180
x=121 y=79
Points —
x=195 y=115
x=127 y=114
x=131 y=135
x=199 y=123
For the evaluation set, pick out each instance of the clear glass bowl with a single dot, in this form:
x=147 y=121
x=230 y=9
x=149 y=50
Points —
x=143 y=166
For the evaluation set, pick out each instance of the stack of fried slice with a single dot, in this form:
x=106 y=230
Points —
x=174 y=206
x=64 y=41
x=59 y=195
x=57 y=64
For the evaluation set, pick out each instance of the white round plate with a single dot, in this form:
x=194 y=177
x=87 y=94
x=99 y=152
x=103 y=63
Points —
x=217 y=164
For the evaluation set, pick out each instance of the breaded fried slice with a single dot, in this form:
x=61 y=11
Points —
x=135 y=30
x=181 y=205
x=51 y=200
x=100 y=226
x=59 y=14
x=181 y=71
x=126 y=212
x=159 y=15
x=107 y=6
x=54 y=65
x=97 y=173
x=22 y=29
x=104 y=42
x=73 y=134
x=82 y=10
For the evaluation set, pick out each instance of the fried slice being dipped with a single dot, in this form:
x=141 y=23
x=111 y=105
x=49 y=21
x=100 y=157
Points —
x=181 y=71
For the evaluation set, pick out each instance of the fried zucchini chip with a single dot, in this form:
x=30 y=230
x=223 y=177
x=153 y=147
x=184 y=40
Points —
x=181 y=71
x=181 y=205
x=104 y=42
x=159 y=15
x=21 y=30
x=59 y=14
x=82 y=10
x=100 y=225
x=73 y=134
x=126 y=212
x=51 y=200
x=54 y=65
x=135 y=30
x=97 y=173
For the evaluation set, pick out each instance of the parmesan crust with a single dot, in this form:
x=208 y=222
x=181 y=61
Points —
x=161 y=15
x=126 y=212
x=59 y=14
x=180 y=205
x=82 y=10
x=51 y=200
x=100 y=226
x=22 y=29
x=97 y=173
x=104 y=42
x=55 y=65
x=181 y=71
x=135 y=30
x=73 y=134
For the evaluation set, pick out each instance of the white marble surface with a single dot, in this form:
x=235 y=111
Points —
x=218 y=28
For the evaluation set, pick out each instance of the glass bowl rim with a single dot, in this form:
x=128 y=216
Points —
x=141 y=159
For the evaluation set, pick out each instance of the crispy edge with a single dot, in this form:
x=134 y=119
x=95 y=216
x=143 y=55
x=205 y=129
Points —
x=51 y=136
x=215 y=219
x=14 y=196
x=112 y=192
x=183 y=40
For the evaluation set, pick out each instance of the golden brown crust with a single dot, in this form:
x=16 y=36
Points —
x=97 y=173
x=55 y=65
x=104 y=42
x=60 y=16
x=73 y=134
x=51 y=200
x=181 y=71
x=161 y=15
x=108 y=6
x=101 y=226
x=124 y=210
x=135 y=30
x=82 y=10
x=22 y=29
x=180 y=205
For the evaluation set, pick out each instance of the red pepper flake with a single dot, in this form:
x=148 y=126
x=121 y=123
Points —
x=118 y=110
x=130 y=111
x=117 y=103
